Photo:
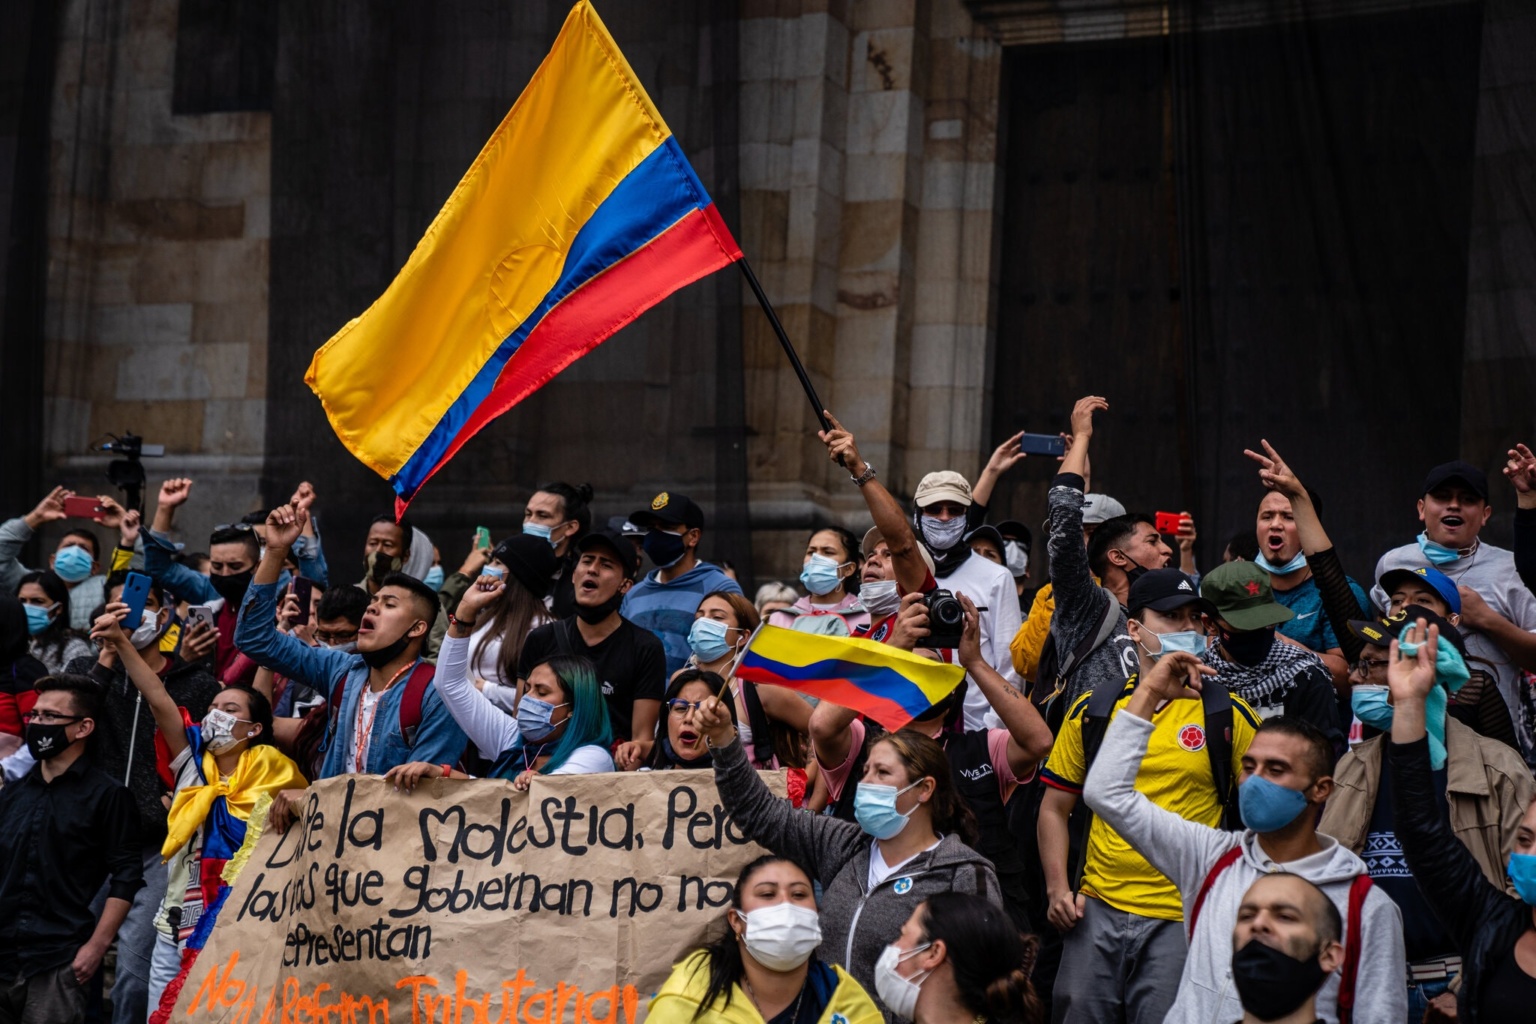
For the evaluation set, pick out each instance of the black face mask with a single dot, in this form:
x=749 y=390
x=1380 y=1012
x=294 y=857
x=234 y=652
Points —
x=665 y=549
x=1271 y=983
x=593 y=614
x=45 y=741
x=377 y=565
x=703 y=761
x=232 y=588
x=1249 y=647
x=384 y=655
x=1136 y=571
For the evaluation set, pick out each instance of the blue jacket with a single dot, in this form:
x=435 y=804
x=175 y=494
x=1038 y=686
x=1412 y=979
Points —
x=193 y=587
x=666 y=609
x=439 y=740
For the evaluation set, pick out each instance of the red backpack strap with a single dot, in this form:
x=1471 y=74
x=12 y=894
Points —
x=410 y=700
x=1358 y=889
x=1225 y=861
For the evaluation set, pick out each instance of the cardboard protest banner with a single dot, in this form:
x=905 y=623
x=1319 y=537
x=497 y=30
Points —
x=468 y=902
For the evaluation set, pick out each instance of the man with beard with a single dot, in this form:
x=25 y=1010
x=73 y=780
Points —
x=630 y=662
x=1287 y=943
x=1497 y=612
x=370 y=728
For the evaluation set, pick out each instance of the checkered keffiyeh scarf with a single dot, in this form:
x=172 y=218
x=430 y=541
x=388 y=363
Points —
x=1268 y=683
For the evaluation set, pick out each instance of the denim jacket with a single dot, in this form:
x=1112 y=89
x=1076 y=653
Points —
x=439 y=740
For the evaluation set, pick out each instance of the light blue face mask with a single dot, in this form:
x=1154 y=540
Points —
x=1521 y=869
x=434 y=577
x=1188 y=640
x=1370 y=705
x=1268 y=806
x=538 y=530
x=1438 y=554
x=707 y=638
x=38 y=619
x=533 y=718
x=874 y=807
x=72 y=564
x=821 y=575
x=1294 y=565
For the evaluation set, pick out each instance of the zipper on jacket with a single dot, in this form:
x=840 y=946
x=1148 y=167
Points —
x=853 y=925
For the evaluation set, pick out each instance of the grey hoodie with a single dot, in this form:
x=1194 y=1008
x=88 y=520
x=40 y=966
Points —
x=1079 y=600
x=1186 y=852
x=856 y=923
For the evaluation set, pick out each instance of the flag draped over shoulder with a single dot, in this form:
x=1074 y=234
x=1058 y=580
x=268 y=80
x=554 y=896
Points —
x=580 y=213
x=888 y=684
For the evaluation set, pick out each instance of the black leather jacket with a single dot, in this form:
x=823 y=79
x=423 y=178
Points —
x=1484 y=922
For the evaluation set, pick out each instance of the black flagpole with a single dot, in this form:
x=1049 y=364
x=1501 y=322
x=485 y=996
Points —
x=789 y=349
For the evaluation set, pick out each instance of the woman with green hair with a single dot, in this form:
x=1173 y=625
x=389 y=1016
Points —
x=561 y=726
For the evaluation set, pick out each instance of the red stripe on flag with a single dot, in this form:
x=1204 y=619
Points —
x=694 y=247
x=842 y=692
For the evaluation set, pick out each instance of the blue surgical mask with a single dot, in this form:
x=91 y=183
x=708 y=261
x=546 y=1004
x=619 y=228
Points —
x=1370 y=705
x=943 y=534
x=1268 y=806
x=1438 y=554
x=1521 y=868
x=874 y=807
x=72 y=564
x=821 y=575
x=38 y=619
x=664 y=549
x=1294 y=565
x=1187 y=640
x=434 y=577
x=537 y=530
x=533 y=718
x=707 y=639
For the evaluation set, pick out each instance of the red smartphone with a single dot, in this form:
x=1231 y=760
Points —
x=1168 y=522
x=83 y=508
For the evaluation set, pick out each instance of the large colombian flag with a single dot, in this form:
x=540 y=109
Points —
x=888 y=684
x=580 y=213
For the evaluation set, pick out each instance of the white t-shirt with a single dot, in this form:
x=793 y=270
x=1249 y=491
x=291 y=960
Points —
x=879 y=871
x=989 y=586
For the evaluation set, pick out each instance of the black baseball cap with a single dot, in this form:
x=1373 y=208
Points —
x=669 y=510
x=1381 y=632
x=1163 y=590
x=530 y=560
x=1458 y=470
x=1012 y=529
x=620 y=546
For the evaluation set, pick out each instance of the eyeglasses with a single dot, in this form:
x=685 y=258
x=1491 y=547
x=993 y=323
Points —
x=49 y=717
x=682 y=707
x=1364 y=665
x=326 y=637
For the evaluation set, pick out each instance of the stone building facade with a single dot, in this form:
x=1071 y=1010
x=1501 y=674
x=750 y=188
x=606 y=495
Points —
x=224 y=184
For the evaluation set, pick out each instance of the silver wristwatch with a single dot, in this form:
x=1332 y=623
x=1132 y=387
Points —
x=863 y=478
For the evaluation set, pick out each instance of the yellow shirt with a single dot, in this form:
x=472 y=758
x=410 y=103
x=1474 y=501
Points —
x=1029 y=641
x=1175 y=775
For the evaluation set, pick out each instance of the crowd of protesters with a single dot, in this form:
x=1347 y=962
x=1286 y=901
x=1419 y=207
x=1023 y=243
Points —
x=1264 y=792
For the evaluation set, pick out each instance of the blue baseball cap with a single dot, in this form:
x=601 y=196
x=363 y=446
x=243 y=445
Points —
x=1437 y=580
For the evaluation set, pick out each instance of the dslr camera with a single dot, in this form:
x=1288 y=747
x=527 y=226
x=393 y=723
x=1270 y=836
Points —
x=946 y=619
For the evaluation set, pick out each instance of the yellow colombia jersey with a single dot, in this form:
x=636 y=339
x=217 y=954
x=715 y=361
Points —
x=1175 y=775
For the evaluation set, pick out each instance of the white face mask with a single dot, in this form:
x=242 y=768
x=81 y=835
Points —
x=148 y=632
x=781 y=937
x=897 y=993
x=219 y=730
x=880 y=598
x=1016 y=557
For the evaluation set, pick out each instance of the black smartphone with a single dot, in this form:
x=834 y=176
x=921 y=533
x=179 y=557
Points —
x=304 y=590
x=1042 y=444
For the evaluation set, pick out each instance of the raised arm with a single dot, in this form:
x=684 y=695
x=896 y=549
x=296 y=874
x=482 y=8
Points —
x=487 y=726
x=108 y=629
x=889 y=519
x=823 y=844
x=1005 y=457
x=1029 y=738
x=307 y=552
x=1521 y=471
x=158 y=548
x=256 y=633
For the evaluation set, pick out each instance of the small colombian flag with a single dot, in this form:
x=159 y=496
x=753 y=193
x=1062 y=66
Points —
x=888 y=684
x=580 y=213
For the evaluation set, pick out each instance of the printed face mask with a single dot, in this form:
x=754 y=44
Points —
x=47 y=740
x=218 y=730
x=880 y=599
x=781 y=937
x=943 y=534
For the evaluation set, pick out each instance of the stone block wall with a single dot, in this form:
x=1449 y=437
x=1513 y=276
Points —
x=158 y=241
